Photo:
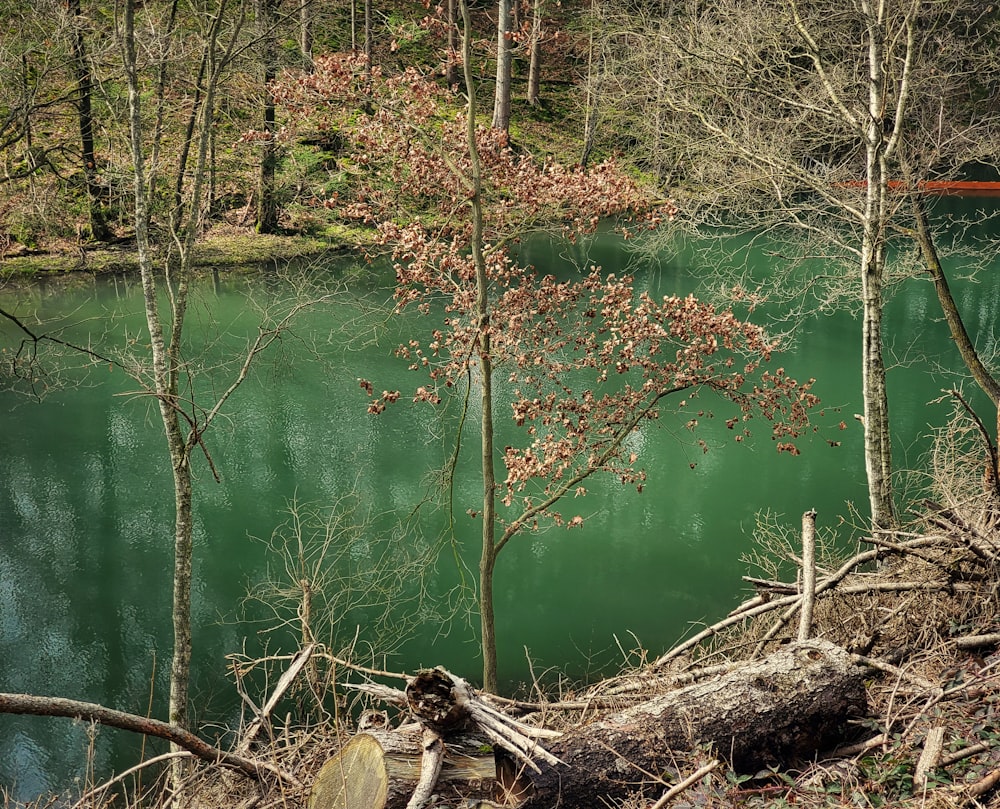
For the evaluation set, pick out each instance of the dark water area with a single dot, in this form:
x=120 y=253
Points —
x=86 y=505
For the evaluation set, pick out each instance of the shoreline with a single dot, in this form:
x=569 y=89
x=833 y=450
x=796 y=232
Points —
x=216 y=249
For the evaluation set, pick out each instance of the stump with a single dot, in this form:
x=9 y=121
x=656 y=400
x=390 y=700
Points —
x=379 y=769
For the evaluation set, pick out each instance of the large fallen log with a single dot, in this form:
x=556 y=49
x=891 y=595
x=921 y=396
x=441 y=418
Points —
x=786 y=706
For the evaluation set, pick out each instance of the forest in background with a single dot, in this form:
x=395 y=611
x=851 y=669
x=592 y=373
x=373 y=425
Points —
x=66 y=168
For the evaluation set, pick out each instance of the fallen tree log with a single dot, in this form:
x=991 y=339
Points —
x=786 y=706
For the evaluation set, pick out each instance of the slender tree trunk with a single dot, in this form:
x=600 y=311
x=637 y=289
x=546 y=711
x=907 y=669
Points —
x=166 y=358
x=177 y=212
x=98 y=225
x=369 y=56
x=501 y=99
x=451 y=66
x=591 y=94
x=165 y=375
x=369 y=40
x=26 y=127
x=878 y=456
x=305 y=34
x=487 y=560
x=161 y=97
x=354 y=25
x=267 y=207
x=956 y=325
x=535 y=56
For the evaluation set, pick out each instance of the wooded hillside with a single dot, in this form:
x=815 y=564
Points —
x=64 y=165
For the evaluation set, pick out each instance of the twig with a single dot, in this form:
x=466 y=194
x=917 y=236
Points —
x=382 y=692
x=897 y=672
x=965 y=752
x=768 y=584
x=430 y=768
x=858 y=748
x=298 y=662
x=658 y=682
x=930 y=756
x=93 y=792
x=827 y=583
x=991 y=448
x=808 y=573
x=677 y=789
x=984 y=785
x=978 y=641
x=362 y=669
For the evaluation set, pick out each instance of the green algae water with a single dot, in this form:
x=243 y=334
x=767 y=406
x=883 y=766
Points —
x=86 y=511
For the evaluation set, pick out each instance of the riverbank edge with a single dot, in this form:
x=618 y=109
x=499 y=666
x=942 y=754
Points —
x=224 y=247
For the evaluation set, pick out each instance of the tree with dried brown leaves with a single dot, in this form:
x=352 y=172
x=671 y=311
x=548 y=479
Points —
x=588 y=360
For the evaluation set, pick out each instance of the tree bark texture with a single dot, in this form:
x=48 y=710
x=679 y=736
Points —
x=535 y=55
x=773 y=711
x=501 y=99
x=953 y=317
x=788 y=705
x=267 y=206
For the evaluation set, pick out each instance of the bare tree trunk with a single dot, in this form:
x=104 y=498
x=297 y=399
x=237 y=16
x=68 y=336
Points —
x=789 y=705
x=267 y=207
x=81 y=66
x=177 y=212
x=378 y=769
x=591 y=94
x=369 y=55
x=451 y=65
x=164 y=361
x=488 y=558
x=161 y=97
x=770 y=712
x=956 y=325
x=501 y=99
x=354 y=25
x=305 y=34
x=165 y=354
x=876 y=424
x=535 y=55
x=369 y=39
x=878 y=453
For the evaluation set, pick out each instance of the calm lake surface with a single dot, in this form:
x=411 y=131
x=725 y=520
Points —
x=86 y=505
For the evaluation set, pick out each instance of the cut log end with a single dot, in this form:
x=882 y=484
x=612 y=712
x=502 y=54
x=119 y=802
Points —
x=356 y=778
x=381 y=769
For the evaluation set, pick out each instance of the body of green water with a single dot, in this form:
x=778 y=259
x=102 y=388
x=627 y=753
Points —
x=86 y=509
